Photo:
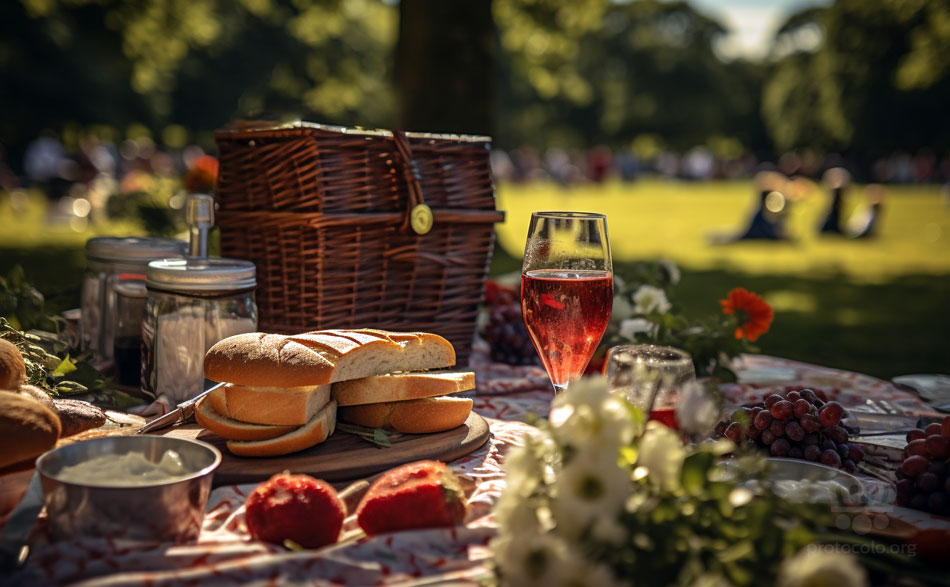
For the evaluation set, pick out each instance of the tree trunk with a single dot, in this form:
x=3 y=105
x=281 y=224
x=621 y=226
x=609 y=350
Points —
x=445 y=65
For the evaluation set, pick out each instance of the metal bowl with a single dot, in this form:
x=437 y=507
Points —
x=165 y=511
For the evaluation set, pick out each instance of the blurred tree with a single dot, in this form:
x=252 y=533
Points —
x=444 y=59
x=877 y=79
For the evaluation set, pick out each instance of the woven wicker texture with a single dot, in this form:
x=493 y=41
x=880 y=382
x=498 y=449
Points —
x=323 y=213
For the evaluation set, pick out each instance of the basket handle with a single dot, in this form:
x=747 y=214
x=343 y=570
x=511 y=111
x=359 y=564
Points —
x=418 y=214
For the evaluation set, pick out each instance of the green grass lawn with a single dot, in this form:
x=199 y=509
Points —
x=877 y=306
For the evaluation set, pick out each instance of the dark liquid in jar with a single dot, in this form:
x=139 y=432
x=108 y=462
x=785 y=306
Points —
x=128 y=360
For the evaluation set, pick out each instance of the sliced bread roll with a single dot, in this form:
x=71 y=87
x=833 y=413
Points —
x=325 y=356
x=275 y=406
x=400 y=387
x=420 y=416
x=219 y=401
x=225 y=427
x=316 y=431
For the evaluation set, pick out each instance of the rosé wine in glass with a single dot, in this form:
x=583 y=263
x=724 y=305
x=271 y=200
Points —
x=566 y=290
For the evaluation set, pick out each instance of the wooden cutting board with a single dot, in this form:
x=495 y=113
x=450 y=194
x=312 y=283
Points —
x=343 y=457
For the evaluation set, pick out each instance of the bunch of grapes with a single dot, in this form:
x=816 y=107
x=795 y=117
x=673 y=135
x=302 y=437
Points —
x=799 y=425
x=924 y=475
x=505 y=331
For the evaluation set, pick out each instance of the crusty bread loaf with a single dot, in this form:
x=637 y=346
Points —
x=275 y=406
x=325 y=356
x=27 y=428
x=316 y=431
x=232 y=429
x=38 y=394
x=400 y=387
x=12 y=367
x=78 y=416
x=420 y=416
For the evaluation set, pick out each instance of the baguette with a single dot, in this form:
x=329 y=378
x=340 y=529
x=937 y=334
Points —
x=420 y=416
x=275 y=406
x=232 y=429
x=316 y=431
x=325 y=356
x=400 y=387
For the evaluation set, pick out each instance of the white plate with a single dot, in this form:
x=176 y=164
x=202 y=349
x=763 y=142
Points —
x=785 y=470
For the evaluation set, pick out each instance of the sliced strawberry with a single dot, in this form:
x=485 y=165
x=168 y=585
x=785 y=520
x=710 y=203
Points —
x=299 y=508
x=423 y=494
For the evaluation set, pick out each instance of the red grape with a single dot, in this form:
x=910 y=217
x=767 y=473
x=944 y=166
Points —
x=801 y=408
x=812 y=452
x=918 y=501
x=767 y=437
x=734 y=432
x=779 y=448
x=752 y=432
x=830 y=458
x=721 y=428
x=762 y=420
x=937 y=502
x=915 y=434
x=844 y=449
x=945 y=426
x=812 y=438
x=927 y=482
x=849 y=466
x=830 y=414
x=917 y=447
x=794 y=431
x=836 y=433
x=937 y=446
x=856 y=453
x=778 y=427
x=810 y=423
x=828 y=444
x=933 y=429
x=782 y=409
x=809 y=395
x=772 y=400
x=821 y=395
x=914 y=465
x=905 y=490
x=793 y=396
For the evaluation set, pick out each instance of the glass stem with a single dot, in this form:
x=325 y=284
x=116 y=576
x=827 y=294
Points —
x=559 y=388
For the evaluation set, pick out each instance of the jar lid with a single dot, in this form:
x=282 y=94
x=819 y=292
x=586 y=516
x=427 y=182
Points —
x=201 y=274
x=133 y=250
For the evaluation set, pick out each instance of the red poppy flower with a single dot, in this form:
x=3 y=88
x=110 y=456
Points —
x=201 y=178
x=755 y=315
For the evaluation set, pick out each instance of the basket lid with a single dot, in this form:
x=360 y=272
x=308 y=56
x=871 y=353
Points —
x=201 y=275
x=132 y=251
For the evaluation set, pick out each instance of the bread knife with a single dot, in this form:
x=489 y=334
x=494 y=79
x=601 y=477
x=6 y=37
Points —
x=182 y=413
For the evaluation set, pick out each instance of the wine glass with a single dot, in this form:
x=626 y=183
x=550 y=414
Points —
x=650 y=377
x=566 y=290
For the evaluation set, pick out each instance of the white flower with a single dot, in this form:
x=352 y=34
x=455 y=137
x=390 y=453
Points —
x=547 y=560
x=672 y=270
x=661 y=453
x=821 y=567
x=621 y=309
x=586 y=391
x=697 y=411
x=648 y=298
x=590 y=486
x=630 y=327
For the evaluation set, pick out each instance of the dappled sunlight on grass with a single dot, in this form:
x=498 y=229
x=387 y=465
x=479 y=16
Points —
x=654 y=218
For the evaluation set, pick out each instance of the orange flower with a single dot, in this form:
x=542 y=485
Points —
x=201 y=177
x=755 y=315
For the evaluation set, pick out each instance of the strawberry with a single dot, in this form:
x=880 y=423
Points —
x=424 y=494
x=298 y=508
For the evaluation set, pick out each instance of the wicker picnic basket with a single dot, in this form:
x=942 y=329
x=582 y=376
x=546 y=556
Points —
x=332 y=218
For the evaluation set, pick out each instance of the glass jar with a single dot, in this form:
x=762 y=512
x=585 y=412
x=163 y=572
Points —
x=130 y=312
x=110 y=260
x=192 y=304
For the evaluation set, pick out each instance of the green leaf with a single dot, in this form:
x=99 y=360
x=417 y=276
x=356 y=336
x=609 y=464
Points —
x=693 y=475
x=65 y=366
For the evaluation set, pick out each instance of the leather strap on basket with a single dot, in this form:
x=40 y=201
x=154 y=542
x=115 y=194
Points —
x=418 y=214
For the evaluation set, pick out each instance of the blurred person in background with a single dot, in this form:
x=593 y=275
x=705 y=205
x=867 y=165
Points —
x=837 y=179
x=865 y=223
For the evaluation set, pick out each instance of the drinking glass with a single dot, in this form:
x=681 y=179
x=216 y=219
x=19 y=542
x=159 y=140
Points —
x=650 y=377
x=566 y=290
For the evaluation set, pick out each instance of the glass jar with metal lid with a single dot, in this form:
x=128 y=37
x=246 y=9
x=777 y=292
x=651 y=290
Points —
x=192 y=303
x=110 y=260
